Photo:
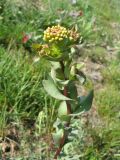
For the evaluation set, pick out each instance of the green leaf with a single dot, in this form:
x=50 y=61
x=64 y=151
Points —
x=72 y=90
x=85 y=102
x=56 y=59
x=63 y=82
x=53 y=74
x=67 y=68
x=54 y=77
x=52 y=90
x=72 y=93
x=36 y=46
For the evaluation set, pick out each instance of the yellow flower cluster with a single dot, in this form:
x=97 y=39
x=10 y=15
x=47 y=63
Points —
x=59 y=33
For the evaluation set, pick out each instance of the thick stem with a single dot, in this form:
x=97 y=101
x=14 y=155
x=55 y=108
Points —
x=65 y=92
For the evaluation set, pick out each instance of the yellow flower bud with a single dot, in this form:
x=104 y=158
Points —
x=53 y=39
x=47 y=37
x=56 y=38
x=47 y=34
x=61 y=35
x=44 y=38
x=63 y=32
x=60 y=39
x=50 y=40
x=71 y=38
x=44 y=32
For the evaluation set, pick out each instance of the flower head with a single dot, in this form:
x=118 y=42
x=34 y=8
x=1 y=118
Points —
x=58 y=40
x=59 y=33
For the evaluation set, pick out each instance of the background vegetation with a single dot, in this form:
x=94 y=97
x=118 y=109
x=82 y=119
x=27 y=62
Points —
x=25 y=107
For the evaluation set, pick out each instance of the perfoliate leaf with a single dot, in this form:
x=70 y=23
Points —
x=57 y=136
x=81 y=77
x=62 y=112
x=85 y=102
x=54 y=77
x=73 y=71
x=57 y=124
x=52 y=90
x=73 y=51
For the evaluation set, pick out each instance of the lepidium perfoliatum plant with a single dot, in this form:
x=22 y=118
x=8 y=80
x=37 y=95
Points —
x=58 y=48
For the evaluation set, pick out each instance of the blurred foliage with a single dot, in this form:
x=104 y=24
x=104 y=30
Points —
x=21 y=92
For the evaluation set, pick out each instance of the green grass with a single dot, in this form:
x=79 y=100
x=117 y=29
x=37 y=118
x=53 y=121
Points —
x=20 y=85
x=108 y=102
x=108 y=98
x=111 y=73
